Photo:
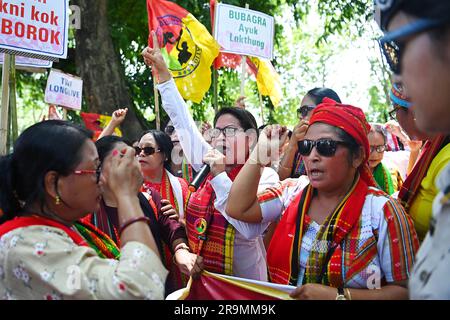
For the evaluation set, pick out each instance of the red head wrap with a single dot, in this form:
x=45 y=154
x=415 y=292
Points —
x=350 y=119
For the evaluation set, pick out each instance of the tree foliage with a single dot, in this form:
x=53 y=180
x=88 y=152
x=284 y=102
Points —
x=127 y=21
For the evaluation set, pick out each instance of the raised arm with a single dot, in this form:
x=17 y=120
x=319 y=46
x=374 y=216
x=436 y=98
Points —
x=117 y=118
x=243 y=201
x=191 y=140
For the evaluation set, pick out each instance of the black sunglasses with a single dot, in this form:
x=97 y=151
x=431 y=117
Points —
x=392 y=46
x=325 y=147
x=148 y=151
x=303 y=111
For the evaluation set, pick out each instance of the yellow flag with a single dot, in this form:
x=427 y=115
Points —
x=267 y=79
x=186 y=45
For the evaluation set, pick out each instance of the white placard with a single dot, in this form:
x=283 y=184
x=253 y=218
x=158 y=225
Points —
x=243 y=31
x=28 y=62
x=34 y=28
x=64 y=90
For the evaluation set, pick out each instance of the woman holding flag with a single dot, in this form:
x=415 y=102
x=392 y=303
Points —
x=228 y=246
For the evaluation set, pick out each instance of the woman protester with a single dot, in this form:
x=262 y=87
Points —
x=50 y=181
x=426 y=163
x=169 y=234
x=338 y=235
x=417 y=48
x=228 y=246
x=292 y=165
x=386 y=180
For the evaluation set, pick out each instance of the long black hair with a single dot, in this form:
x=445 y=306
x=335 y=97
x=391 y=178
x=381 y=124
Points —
x=52 y=145
x=164 y=143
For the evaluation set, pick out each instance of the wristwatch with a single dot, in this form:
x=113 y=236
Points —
x=340 y=294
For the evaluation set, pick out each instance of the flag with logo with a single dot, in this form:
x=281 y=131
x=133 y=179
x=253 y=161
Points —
x=97 y=122
x=186 y=45
x=213 y=286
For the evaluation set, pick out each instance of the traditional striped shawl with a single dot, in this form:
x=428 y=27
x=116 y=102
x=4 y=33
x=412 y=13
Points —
x=217 y=248
x=409 y=189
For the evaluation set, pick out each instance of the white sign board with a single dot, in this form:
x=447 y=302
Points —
x=243 y=31
x=28 y=62
x=64 y=90
x=34 y=28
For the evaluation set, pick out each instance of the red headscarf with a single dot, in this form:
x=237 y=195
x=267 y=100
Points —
x=353 y=121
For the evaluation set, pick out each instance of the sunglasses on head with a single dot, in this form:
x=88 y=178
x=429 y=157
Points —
x=325 y=147
x=303 y=111
x=393 y=43
x=148 y=151
x=169 y=130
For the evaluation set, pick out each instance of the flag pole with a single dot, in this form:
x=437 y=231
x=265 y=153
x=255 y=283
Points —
x=64 y=114
x=12 y=100
x=155 y=93
x=261 y=105
x=4 y=114
x=244 y=66
x=215 y=89
x=215 y=73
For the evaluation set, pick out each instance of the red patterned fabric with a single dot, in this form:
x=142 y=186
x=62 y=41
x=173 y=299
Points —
x=217 y=249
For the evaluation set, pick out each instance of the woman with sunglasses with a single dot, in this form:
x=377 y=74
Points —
x=169 y=234
x=388 y=180
x=425 y=164
x=227 y=246
x=44 y=254
x=155 y=156
x=338 y=232
x=419 y=31
x=291 y=165
x=179 y=165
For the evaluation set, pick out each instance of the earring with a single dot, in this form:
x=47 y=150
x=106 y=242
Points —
x=57 y=200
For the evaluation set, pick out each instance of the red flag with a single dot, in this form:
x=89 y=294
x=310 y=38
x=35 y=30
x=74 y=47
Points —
x=186 y=45
x=213 y=286
x=97 y=122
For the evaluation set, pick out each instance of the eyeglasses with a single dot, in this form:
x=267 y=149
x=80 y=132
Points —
x=148 y=151
x=325 y=147
x=169 y=130
x=97 y=172
x=303 y=111
x=227 y=132
x=392 y=48
x=393 y=112
x=379 y=149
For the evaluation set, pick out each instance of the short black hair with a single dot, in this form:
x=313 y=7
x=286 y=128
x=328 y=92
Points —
x=318 y=94
x=164 y=143
x=52 y=145
x=245 y=118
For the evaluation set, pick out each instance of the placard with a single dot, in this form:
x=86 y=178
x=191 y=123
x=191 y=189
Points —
x=35 y=28
x=64 y=89
x=243 y=31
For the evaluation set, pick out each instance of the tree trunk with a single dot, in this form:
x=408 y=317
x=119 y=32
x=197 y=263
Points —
x=98 y=64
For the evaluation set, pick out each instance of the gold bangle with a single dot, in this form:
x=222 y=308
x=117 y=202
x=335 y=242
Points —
x=349 y=296
x=290 y=168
